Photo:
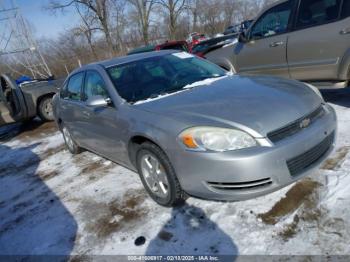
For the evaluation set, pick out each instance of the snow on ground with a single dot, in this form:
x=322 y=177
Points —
x=54 y=203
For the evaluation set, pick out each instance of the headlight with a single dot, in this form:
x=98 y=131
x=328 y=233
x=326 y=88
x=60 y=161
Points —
x=216 y=139
x=315 y=89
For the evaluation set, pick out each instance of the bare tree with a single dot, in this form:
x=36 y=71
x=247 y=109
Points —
x=143 y=10
x=99 y=8
x=193 y=7
x=119 y=18
x=229 y=8
x=87 y=27
x=173 y=8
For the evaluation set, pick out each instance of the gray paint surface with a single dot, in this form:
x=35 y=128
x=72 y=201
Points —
x=316 y=53
x=256 y=105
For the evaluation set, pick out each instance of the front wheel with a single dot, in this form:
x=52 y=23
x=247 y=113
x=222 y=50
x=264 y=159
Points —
x=158 y=176
x=70 y=143
x=45 y=109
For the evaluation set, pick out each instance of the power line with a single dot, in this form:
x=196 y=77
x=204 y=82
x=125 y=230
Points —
x=17 y=42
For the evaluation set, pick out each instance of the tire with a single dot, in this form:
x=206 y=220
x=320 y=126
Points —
x=175 y=196
x=45 y=110
x=69 y=141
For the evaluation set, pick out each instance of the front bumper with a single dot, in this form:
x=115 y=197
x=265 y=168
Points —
x=252 y=172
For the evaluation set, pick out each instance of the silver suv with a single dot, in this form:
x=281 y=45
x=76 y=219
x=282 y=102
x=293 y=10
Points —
x=307 y=40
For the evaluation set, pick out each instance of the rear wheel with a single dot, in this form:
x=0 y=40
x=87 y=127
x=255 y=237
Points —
x=45 y=110
x=158 y=176
x=70 y=143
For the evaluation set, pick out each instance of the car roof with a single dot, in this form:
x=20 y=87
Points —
x=129 y=58
x=270 y=6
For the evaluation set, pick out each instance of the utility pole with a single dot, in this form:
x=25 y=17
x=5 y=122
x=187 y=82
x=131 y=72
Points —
x=18 y=47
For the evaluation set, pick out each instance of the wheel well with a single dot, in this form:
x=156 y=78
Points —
x=134 y=144
x=38 y=101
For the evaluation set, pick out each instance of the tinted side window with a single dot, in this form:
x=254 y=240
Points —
x=74 y=86
x=63 y=91
x=94 y=85
x=317 y=12
x=346 y=9
x=273 y=22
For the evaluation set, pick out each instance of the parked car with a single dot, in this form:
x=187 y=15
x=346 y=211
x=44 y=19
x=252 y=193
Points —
x=175 y=45
x=27 y=100
x=212 y=44
x=308 y=40
x=190 y=128
x=236 y=29
x=195 y=38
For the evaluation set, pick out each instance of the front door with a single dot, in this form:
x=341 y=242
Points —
x=102 y=127
x=12 y=105
x=265 y=51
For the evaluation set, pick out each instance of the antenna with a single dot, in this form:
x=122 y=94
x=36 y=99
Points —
x=18 y=47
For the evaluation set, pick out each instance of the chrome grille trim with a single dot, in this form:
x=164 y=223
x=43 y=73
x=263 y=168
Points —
x=240 y=185
x=302 y=162
x=294 y=127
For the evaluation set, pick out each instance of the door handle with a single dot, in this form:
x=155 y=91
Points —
x=345 y=31
x=275 y=44
x=86 y=113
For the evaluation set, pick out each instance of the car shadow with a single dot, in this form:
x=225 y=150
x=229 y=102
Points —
x=29 y=128
x=339 y=97
x=33 y=220
x=190 y=232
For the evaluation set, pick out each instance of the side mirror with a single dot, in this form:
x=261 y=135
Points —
x=98 y=101
x=242 y=38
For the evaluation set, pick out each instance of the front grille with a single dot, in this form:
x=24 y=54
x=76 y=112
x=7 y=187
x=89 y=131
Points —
x=295 y=126
x=300 y=163
x=241 y=185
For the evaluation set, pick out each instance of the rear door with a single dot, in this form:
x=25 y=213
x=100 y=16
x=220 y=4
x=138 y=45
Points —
x=319 y=40
x=265 y=52
x=71 y=105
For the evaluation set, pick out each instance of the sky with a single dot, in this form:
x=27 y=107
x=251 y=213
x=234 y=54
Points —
x=46 y=24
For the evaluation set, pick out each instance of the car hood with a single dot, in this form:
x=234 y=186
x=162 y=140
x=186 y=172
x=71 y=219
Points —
x=261 y=104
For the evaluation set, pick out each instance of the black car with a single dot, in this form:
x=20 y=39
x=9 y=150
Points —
x=236 y=29
x=21 y=102
x=214 y=43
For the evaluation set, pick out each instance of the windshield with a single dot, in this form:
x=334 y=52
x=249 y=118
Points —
x=160 y=75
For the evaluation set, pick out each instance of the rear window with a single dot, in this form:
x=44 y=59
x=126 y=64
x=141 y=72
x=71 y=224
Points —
x=317 y=12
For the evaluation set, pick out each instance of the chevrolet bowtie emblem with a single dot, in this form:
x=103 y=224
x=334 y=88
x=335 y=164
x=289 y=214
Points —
x=305 y=123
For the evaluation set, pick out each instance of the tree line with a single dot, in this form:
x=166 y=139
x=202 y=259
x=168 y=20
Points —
x=109 y=28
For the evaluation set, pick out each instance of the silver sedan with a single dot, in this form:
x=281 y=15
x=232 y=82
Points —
x=191 y=129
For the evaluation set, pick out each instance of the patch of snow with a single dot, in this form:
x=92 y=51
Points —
x=207 y=81
x=85 y=205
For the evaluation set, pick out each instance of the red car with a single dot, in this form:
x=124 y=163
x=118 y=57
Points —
x=195 y=38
